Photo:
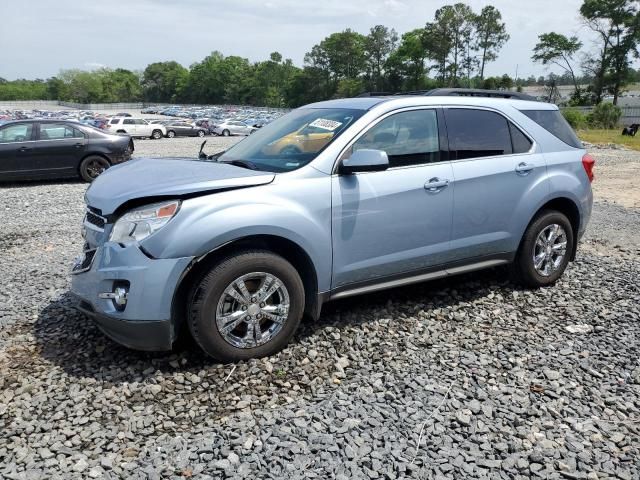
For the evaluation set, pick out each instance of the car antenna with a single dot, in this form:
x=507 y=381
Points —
x=200 y=154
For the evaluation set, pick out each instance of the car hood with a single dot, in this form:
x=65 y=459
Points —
x=167 y=178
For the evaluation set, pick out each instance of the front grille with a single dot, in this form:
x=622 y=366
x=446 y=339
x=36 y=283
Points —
x=95 y=219
x=84 y=263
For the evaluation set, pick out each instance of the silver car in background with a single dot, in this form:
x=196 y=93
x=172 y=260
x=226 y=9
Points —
x=233 y=127
x=334 y=199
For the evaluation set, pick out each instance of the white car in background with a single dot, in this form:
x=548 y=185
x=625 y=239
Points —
x=136 y=127
x=233 y=127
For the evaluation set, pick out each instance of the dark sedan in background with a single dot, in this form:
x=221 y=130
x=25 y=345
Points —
x=184 y=129
x=42 y=149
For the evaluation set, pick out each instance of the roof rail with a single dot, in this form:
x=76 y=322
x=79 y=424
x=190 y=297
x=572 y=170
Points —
x=375 y=94
x=472 y=92
x=457 y=92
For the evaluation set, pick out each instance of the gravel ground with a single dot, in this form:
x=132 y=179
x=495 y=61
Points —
x=182 y=146
x=465 y=378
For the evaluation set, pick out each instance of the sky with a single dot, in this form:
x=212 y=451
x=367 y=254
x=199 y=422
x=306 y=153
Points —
x=41 y=37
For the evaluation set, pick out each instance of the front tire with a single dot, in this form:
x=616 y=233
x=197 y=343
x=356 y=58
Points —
x=171 y=134
x=92 y=166
x=247 y=306
x=156 y=134
x=545 y=250
x=226 y=133
x=201 y=133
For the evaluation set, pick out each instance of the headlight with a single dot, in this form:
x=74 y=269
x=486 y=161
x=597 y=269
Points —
x=139 y=223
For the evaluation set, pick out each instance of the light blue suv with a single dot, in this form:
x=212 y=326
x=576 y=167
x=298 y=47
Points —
x=334 y=199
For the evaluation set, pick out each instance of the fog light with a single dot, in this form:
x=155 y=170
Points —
x=118 y=296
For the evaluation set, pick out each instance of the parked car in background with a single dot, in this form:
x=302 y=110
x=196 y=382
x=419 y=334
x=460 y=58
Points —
x=137 y=127
x=42 y=149
x=400 y=190
x=124 y=114
x=233 y=127
x=184 y=129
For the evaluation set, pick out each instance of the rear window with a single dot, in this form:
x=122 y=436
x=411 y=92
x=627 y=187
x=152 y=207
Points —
x=553 y=122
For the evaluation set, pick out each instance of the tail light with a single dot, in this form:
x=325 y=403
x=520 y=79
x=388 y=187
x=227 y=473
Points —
x=588 y=162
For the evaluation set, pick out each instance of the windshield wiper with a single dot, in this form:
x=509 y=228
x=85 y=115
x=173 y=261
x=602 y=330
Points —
x=241 y=163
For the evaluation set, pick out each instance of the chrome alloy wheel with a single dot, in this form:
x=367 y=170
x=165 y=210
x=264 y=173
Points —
x=549 y=250
x=252 y=310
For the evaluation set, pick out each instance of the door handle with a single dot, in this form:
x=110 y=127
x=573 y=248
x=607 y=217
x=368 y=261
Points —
x=436 y=185
x=24 y=149
x=78 y=145
x=524 y=168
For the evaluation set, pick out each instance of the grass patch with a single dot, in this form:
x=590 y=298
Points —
x=601 y=136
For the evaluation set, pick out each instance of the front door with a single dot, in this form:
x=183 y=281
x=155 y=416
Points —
x=16 y=150
x=396 y=221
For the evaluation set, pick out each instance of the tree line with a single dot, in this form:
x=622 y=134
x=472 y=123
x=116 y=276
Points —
x=451 y=50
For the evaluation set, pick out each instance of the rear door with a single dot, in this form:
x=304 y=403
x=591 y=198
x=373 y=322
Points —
x=143 y=129
x=498 y=174
x=129 y=126
x=58 y=149
x=16 y=150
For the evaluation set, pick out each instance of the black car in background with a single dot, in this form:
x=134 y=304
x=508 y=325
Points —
x=42 y=149
x=184 y=129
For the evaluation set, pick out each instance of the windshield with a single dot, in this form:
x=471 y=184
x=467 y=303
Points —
x=294 y=140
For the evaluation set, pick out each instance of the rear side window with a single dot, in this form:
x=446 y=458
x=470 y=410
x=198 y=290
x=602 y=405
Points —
x=521 y=143
x=129 y=121
x=553 y=122
x=477 y=133
x=115 y=121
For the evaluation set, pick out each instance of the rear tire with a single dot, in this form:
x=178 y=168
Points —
x=545 y=250
x=201 y=133
x=156 y=134
x=256 y=327
x=92 y=166
x=171 y=134
x=226 y=133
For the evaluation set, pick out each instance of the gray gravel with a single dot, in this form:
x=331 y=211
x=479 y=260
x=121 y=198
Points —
x=182 y=147
x=466 y=378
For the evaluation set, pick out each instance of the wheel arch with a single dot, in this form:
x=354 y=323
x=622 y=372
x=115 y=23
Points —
x=288 y=249
x=567 y=207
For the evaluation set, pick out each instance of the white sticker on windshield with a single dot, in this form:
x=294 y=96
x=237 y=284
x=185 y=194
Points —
x=325 y=124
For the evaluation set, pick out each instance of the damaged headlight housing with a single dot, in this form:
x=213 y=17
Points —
x=139 y=223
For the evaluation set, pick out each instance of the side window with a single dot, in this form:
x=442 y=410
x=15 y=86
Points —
x=57 y=131
x=521 y=143
x=128 y=121
x=409 y=138
x=16 y=133
x=477 y=133
x=140 y=121
x=114 y=121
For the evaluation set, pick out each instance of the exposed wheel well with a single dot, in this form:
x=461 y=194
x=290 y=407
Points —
x=568 y=208
x=287 y=249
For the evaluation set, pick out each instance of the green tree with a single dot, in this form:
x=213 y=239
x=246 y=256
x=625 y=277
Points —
x=448 y=37
x=617 y=23
x=120 y=85
x=491 y=35
x=556 y=49
x=82 y=86
x=378 y=46
x=164 y=81
x=406 y=66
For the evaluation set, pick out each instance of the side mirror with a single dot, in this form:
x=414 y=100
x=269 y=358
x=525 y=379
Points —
x=365 y=160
